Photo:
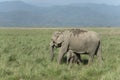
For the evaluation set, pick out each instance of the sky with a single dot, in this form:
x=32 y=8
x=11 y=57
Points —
x=64 y=2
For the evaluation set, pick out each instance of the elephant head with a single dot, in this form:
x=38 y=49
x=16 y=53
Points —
x=56 y=41
x=60 y=40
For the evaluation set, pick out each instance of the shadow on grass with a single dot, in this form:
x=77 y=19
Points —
x=64 y=61
x=85 y=61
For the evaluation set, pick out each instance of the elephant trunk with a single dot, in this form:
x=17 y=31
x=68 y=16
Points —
x=51 y=51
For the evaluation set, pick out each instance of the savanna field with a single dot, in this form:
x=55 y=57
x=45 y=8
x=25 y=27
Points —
x=25 y=55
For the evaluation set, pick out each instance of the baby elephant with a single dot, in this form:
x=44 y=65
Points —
x=73 y=57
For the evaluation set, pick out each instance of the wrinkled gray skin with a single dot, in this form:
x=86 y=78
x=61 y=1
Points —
x=79 y=41
x=73 y=57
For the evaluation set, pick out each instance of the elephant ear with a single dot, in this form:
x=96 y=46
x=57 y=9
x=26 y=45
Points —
x=60 y=38
x=63 y=37
x=66 y=36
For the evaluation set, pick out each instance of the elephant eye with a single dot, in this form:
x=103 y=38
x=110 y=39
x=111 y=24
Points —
x=53 y=41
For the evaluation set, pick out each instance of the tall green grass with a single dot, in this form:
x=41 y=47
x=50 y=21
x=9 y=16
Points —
x=24 y=55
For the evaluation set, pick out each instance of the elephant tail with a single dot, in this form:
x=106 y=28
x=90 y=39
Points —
x=99 y=52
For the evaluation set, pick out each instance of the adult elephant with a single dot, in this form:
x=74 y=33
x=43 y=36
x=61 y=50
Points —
x=79 y=41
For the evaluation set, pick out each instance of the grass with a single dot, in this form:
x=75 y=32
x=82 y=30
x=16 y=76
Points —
x=24 y=55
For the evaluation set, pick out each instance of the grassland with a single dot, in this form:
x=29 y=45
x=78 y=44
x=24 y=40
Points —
x=24 y=55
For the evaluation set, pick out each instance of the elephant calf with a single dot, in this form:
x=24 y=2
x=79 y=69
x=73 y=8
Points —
x=73 y=57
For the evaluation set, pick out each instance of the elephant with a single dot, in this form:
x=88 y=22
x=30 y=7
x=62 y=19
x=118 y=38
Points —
x=73 y=57
x=77 y=40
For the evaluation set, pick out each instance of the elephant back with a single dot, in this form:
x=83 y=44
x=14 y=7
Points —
x=77 y=31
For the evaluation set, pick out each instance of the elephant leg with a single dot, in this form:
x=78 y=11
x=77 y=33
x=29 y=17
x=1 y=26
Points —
x=69 y=55
x=70 y=62
x=79 y=61
x=62 y=52
x=91 y=53
x=90 y=61
x=60 y=56
x=68 y=59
